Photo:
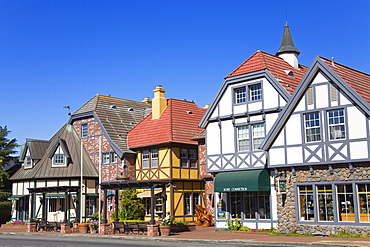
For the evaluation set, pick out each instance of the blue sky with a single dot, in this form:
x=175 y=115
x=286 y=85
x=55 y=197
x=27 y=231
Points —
x=58 y=53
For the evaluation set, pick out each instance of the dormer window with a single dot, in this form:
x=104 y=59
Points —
x=59 y=159
x=28 y=163
x=60 y=155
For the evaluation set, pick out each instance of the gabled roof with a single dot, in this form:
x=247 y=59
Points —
x=43 y=169
x=178 y=123
x=261 y=65
x=36 y=149
x=277 y=66
x=352 y=83
x=116 y=117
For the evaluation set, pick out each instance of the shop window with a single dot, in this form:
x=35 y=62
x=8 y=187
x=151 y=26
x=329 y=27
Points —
x=235 y=205
x=306 y=203
x=90 y=205
x=364 y=202
x=56 y=205
x=264 y=205
x=345 y=202
x=249 y=205
x=325 y=201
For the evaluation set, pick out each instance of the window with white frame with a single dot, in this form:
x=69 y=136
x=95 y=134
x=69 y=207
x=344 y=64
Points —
x=28 y=163
x=84 y=130
x=312 y=127
x=325 y=202
x=306 y=203
x=59 y=158
x=154 y=158
x=106 y=158
x=243 y=138
x=114 y=157
x=145 y=158
x=240 y=95
x=345 y=202
x=150 y=158
x=336 y=124
x=258 y=134
x=255 y=92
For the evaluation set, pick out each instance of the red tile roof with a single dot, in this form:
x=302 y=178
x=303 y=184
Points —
x=359 y=81
x=178 y=123
x=277 y=66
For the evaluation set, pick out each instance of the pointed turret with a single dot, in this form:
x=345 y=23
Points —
x=287 y=50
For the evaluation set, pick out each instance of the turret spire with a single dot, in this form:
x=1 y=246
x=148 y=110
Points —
x=287 y=50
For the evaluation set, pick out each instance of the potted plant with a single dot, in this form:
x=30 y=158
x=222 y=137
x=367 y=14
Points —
x=165 y=226
x=94 y=225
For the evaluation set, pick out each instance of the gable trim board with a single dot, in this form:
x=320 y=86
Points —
x=237 y=79
x=317 y=66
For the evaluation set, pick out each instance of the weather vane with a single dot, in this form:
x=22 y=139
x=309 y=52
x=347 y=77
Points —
x=69 y=109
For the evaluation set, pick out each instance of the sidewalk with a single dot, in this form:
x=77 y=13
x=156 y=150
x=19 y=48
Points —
x=209 y=235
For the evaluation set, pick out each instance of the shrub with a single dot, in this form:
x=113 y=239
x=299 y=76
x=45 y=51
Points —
x=234 y=225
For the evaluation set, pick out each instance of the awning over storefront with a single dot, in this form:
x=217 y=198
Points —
x=15 y=197
x=147 y=193
x=254 y=180
x=54 y=196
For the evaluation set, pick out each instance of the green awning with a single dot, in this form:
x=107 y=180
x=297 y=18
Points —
x=15 y=197
x=96 y=195
x=254 y=180
x=54 y=196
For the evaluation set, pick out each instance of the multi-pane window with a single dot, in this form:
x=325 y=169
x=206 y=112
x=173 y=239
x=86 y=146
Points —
x=306 y=203
x=255 y=92
x=249 y=205
x=154 y=157
x=114 y=157
x=257 y=131
x=106 y=158
x=56 y=205
x=188 y=157
x=193 y=158
x=235 y=203
x=264 y=205
x=258 y=134
x=325 y=201
x=364 y=202
x=345 y=202
x=312 y=127
x=240 y=95
x=243 y=138
x=28 y=162
x=59 y=158
x=145 y=156
x=187 y=203
x=84 y=130
x=336 y=124
x=150 y=158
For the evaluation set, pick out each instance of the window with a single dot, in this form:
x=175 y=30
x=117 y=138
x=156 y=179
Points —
x=187 y=205
x=249 y=205
x=243 y=138
x=258 y=135
x=364 y=202
x=59 y=158
x=240 y=95
x=325 y=201
x=154 y=157
x=345 y=202
x=106 y=158
x=184 y=157
x=114 y=157
x=28 y=162
x=243 y=134
x=56 y=205
x=312 y=127
x=236 y=206
x=255 y=92
x=336 y=124
x=150 y=158
x=193 y=158
x=309 y=96
x=84 y=130
x=306 y=203
x=145 y=155
x=264 y=205
x=196 y=199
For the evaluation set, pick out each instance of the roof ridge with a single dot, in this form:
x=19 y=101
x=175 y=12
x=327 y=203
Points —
x=329 y=60
x=105 y=96
x=263 y=57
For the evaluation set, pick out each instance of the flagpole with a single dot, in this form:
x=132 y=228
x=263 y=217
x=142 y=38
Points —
x=100 y=177
x=81 y=182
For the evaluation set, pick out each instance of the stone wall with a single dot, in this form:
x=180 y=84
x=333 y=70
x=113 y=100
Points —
x=286 y=205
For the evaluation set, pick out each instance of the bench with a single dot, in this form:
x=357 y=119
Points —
x=120 y=227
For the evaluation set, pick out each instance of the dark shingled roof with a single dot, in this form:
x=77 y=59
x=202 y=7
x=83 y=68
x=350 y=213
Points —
x=116 y=116
x=36 y=148
x=43 y=169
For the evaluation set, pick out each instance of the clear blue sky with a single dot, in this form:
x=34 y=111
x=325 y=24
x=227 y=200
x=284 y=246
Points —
x=58 y=53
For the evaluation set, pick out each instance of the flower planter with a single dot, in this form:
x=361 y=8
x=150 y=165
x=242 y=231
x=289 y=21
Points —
x=165 y=230
x=13 y=228
x=82 y=227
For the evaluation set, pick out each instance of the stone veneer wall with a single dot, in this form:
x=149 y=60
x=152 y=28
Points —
x=287 y=222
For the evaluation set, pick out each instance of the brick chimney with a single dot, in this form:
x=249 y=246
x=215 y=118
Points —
x=159 y=102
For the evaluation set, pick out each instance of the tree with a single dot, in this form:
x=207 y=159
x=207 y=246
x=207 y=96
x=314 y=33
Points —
x=132 y=207
x=6 y=149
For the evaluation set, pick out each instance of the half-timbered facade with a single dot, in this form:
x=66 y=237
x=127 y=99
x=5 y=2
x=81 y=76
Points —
x=165 y=152
x=242 y=113
x=320 y=150
x=56 y=182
